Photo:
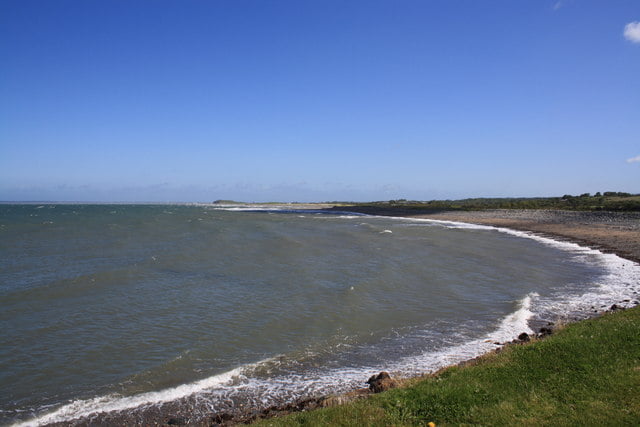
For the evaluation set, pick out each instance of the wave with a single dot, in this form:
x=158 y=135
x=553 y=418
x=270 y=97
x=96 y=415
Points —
x=109 y=403
x=268 y=391
x=622 y=276
x=287 y=210
x=510 y=327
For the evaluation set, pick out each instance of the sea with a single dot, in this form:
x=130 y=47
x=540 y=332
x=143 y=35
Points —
x=108 y=309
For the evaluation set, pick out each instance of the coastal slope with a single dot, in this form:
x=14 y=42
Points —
x=586 y=373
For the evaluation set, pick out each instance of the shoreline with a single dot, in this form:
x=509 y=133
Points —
x=609 y=232
x=538 y=223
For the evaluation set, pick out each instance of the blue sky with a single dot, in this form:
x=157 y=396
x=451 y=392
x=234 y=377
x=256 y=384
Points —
x=317 y=100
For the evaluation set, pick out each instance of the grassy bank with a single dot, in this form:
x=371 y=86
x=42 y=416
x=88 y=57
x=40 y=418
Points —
x=587 y=373
x=608 y=201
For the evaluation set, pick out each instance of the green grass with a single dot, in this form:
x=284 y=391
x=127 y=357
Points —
x=610 y=201
x=588 y=373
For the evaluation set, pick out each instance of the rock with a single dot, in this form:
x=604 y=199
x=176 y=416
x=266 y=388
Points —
x=382 y=375
x=615 y=307
x=175 y=421
x=544 y=332
x=221 y=419
x=524 y=337
x=381 y=382
x=343 y=398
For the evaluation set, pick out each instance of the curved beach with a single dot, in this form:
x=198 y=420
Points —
x=609 y=232
x=540 y=222
x=614 y=232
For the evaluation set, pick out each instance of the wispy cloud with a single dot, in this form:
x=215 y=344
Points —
x=635 y=159
x=632 y=31
x=557 y=5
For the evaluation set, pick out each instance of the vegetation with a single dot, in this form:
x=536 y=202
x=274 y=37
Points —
x=587 y=373
x=608 y=201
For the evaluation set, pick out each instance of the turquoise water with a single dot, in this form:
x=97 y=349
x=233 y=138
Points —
x=109 y=307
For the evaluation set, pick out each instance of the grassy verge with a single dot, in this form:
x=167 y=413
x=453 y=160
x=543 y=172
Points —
x=610 y=201
x=588 y=373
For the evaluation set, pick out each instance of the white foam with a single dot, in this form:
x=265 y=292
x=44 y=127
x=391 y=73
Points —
x=288 y=209
x=247 y=209
x=621 y=279
x=109 y=403
x=293 y=386
x=510 y=327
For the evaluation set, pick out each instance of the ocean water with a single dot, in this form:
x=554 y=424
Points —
x=125 y=307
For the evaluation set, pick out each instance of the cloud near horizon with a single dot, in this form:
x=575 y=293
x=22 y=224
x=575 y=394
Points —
x=635 y=159
x=632 y=32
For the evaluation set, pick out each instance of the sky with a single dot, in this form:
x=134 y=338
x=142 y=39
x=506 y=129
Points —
x=317 y=100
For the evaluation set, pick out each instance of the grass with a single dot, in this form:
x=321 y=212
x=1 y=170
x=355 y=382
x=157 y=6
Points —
x=587 y=373
x=610 y=201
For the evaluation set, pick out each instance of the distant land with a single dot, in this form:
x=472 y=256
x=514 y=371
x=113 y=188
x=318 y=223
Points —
x=606 y=201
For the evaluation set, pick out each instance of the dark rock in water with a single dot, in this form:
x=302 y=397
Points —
x=381 y=382
x=544 y=332
x=615 y=307
x=524 y=337
x=175 y=421
x=382 y=375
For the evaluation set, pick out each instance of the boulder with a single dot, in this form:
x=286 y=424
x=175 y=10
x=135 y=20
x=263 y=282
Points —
x=544 y=332
x=381 y=382
x=524 y=337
